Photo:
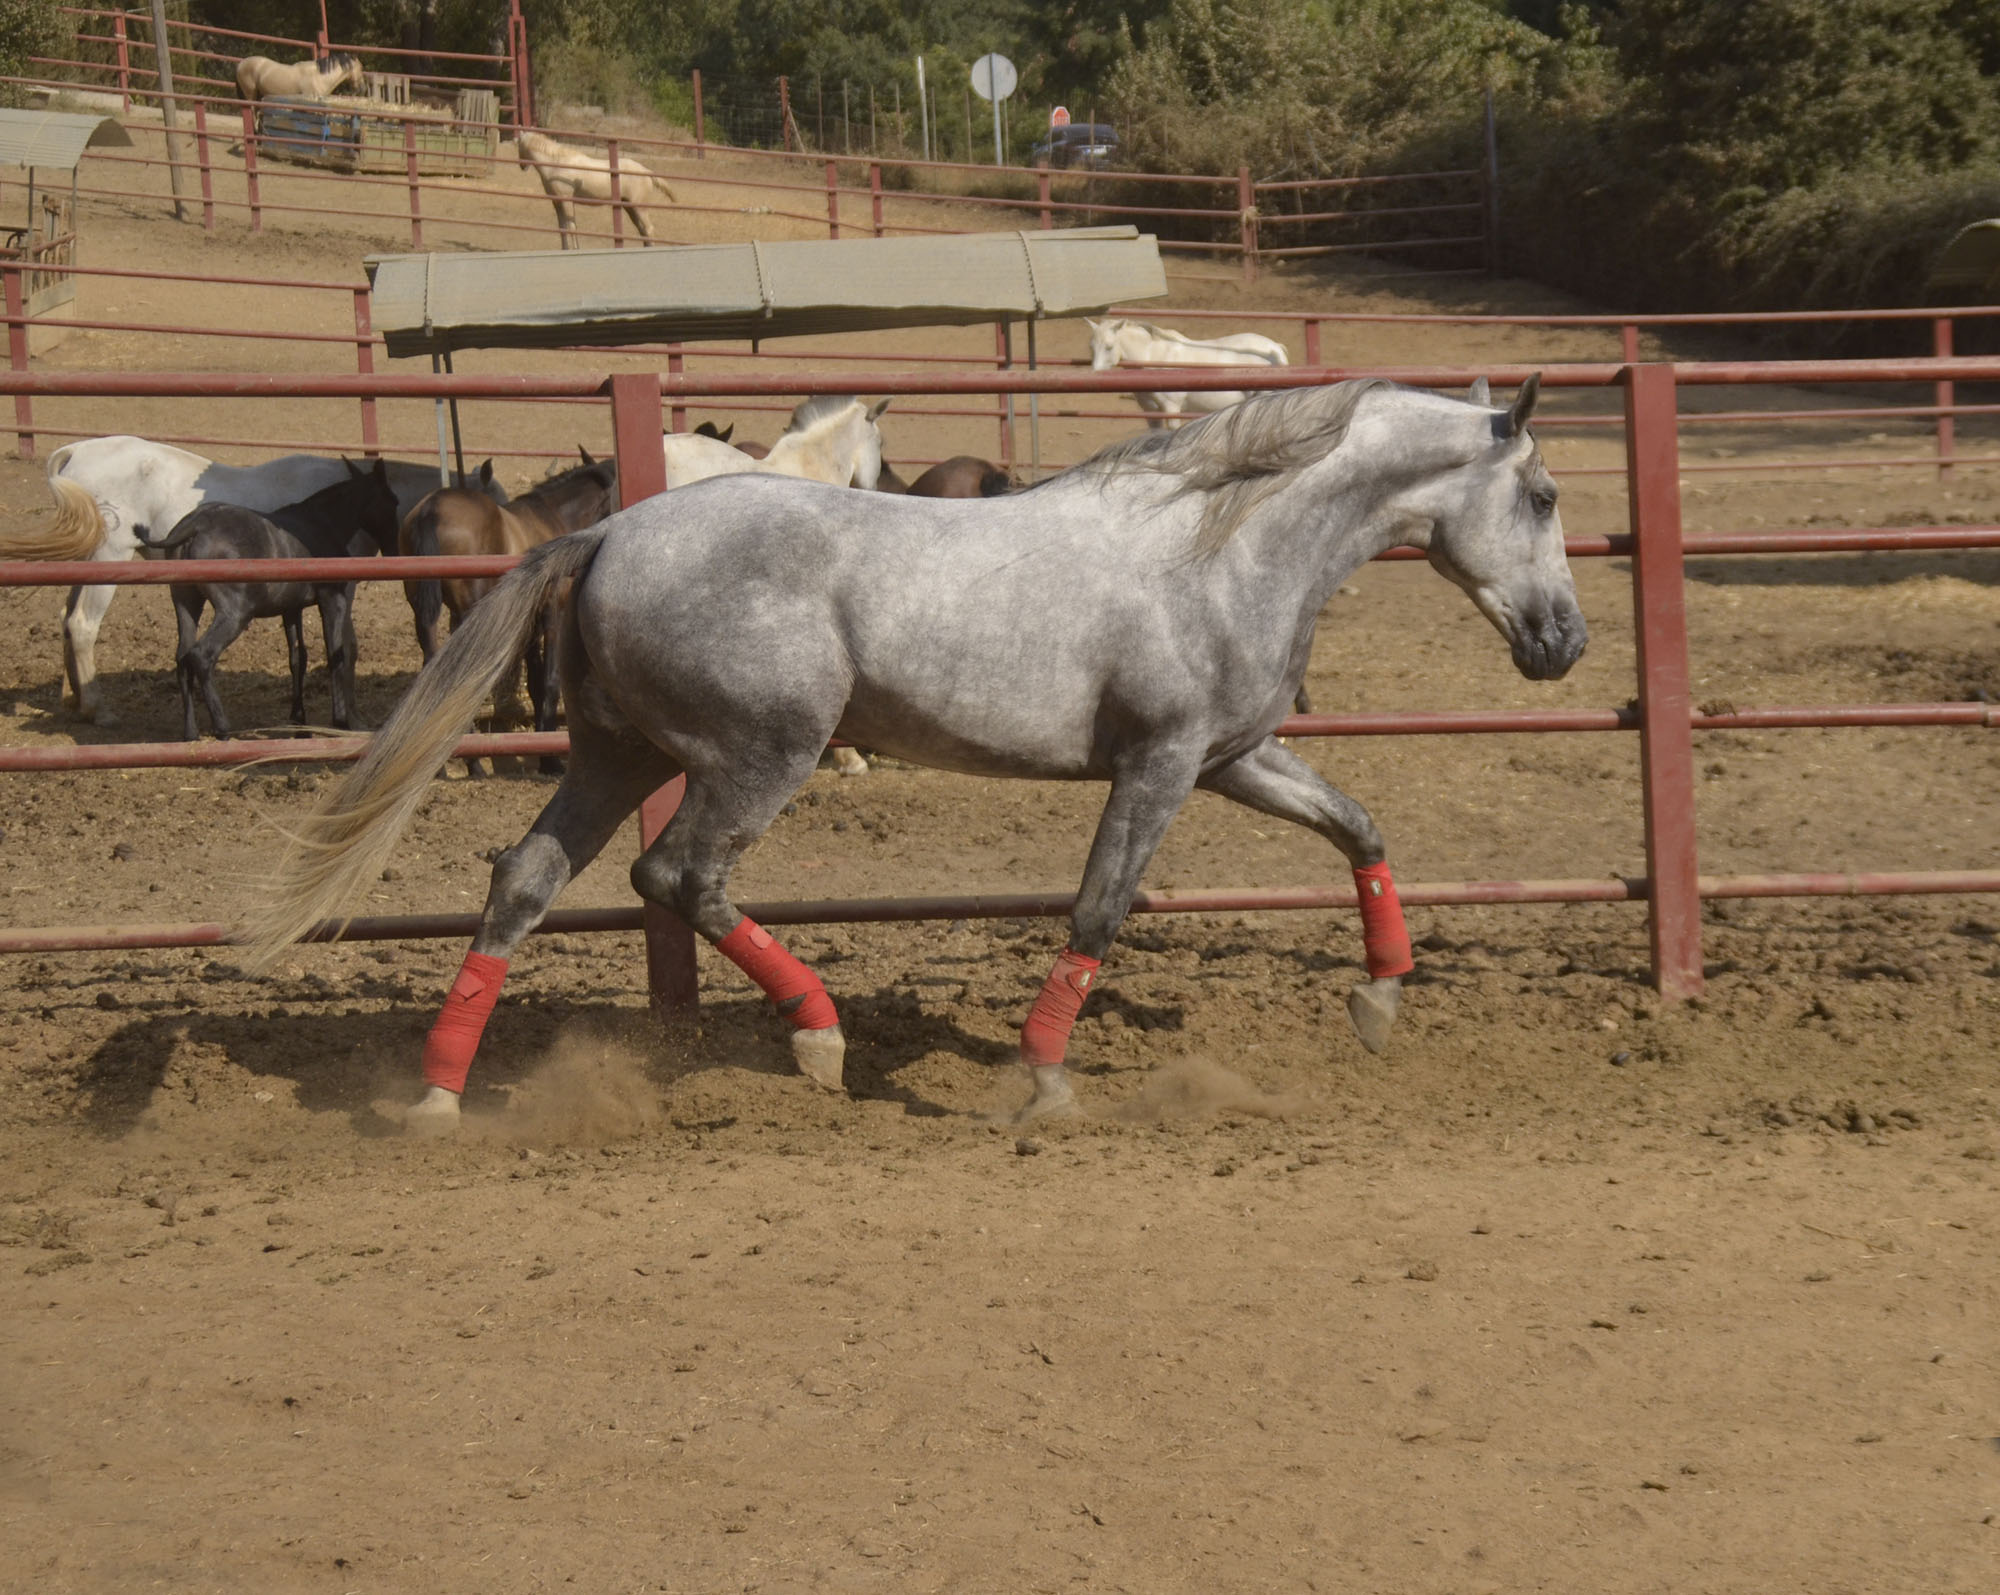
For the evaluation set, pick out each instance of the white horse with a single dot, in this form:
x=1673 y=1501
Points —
x=567 y=171
x=258 y=77
x=1116 y=342
x=831 y=439
x=116 y=496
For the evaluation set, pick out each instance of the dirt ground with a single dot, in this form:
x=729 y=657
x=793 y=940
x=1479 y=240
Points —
x=1567 y=1290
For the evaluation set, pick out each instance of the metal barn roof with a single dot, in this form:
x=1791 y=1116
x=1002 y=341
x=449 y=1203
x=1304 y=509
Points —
x=431 y=304
x=55 y=138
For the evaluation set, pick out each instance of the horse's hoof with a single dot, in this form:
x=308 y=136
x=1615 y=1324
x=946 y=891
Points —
x=848 y=761
x=819 y=1055
x=435 y=1114
x=1372 y=1005
x=1054 y=1097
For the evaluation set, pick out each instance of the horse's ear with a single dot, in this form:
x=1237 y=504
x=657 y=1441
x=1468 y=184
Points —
x=877 y=408
x=587 y=460
x=352 y=468
x=486 y=474
x=1479 y=392
x=1524 y=405
x=381 y=471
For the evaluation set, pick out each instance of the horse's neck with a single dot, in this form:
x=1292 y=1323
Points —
x=330 y=527
x=1322 y=527
x=810 y=454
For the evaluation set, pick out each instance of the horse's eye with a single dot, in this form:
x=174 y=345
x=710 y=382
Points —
x=1544 y=501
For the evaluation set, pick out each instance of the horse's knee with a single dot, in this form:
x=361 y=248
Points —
x=526 y=879
x=694 y=893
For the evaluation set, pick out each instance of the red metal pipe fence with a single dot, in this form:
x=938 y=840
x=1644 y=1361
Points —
x=1664 y=716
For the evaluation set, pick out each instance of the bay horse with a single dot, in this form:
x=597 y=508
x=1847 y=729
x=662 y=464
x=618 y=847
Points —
x=455 y=521
x=113 y=495
x=1141 y=619
x=258 y=77
x=567 y=172
x=1115 y=342
x=354 y=517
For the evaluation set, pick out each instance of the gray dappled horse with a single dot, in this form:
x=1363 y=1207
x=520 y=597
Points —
x=1142 y=619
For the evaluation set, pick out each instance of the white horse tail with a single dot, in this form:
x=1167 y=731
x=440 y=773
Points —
x=76 y=532
x=344 y=842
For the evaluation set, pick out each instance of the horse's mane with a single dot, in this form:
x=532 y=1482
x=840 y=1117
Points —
x=1240 y=456
x=819 y=410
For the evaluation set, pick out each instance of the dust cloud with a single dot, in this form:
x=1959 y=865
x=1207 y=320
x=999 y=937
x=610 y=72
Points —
x=1190 y=1087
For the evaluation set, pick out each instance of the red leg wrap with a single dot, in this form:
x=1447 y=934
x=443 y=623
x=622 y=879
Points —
x=1383 y=934
x=468 y=1005
x=792 y=987
x=1045 y=1036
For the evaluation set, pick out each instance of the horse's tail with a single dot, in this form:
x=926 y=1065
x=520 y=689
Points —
x=182 y=533
x=994 y=482
x=420 y=538
x=76 y=532
x=345 y=841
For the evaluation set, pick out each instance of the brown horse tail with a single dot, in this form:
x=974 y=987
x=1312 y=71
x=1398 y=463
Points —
x=345 y=841
x=75 y=533
x=426 y=593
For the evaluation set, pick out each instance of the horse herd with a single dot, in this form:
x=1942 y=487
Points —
x=125 y=497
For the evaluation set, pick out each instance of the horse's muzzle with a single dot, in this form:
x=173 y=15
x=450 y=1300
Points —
x=1545 y=647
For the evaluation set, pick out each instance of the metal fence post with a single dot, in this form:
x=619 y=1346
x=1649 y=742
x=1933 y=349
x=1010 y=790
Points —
x=1666 y=737
x=642 y=471
x=416 y=187
x=617 y=195
x=875 y=193
x=700 y=137
x=1946 y=427
x=677 y=416
x=17 y=358
x=124 y=61
x=364 y=364
x=250 y=168
x=1003 y=359
x=1246 y=219
x=1489 y=185
x=1042 y=186
x=832 y=200
x=1628 y=342
x=207 y=175
x=1312 y=340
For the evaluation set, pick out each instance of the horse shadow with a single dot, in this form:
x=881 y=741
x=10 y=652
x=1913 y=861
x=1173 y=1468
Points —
x=347 y=1063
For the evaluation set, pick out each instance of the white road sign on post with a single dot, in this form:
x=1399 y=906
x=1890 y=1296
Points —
x=994 y=78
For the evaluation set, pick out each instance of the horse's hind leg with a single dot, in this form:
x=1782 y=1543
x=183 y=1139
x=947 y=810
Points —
x=1145 y=797
x=188 y=602
x=1273 y=780
x=687 y=870
x=82 y=616
x=295 y=648
x=544 y=680
x=608 y=778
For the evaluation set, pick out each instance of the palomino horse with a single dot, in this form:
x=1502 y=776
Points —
x=567 y=172
x=351 y=519
x=454 y=521
x=115 y=494
x=1141 y=619
x=258 y=77
x=1115 y=342
x=832 y=438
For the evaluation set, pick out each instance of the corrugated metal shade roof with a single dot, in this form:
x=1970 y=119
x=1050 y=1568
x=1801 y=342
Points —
x=55 y=138
x=1971 y=261
x=429 y=304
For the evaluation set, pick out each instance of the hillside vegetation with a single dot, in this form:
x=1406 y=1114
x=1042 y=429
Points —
x=1668 y=154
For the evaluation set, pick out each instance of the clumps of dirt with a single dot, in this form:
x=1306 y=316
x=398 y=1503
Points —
x=1190 y=1087
x=593 y=1089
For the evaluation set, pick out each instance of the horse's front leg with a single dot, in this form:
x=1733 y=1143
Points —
x=336 y=629
x=1145 y=797
x=1273 y=780
x=566 y=222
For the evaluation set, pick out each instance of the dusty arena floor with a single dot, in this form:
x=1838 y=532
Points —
x=1565 y=1291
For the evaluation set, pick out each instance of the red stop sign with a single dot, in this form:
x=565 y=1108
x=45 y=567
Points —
x=1059 y=117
